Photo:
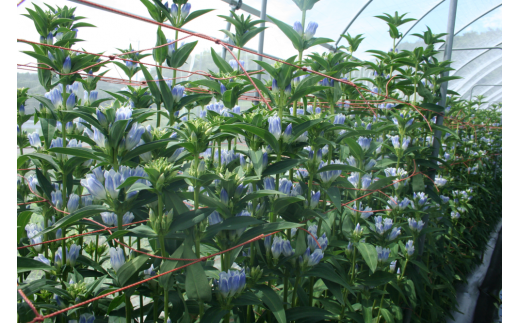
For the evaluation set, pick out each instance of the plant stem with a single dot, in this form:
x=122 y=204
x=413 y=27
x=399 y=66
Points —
x=311 y=290
x=381 y=303
x=164 y=254
x=129 y=309
x=296 y=284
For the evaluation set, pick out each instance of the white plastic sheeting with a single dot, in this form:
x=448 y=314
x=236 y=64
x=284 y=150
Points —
x=467 y=295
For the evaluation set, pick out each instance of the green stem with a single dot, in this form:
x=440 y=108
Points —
x=158 y=122
x=129 y=309
x=285 y=288
x=296 y=284
x=164 y=254
x=311 y=290
x=381 y=303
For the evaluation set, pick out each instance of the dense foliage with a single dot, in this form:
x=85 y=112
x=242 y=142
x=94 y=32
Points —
x=339 y=202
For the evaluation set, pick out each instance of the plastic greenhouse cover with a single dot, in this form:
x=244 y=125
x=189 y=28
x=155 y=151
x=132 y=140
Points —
x=333 y=16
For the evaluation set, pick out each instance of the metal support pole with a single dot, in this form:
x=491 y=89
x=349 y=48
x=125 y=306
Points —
x=234 y=7
x=437 y=134
x=474 y=86
x=263 y=13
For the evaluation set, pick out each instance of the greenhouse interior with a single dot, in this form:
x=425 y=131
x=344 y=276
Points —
x=259 y=161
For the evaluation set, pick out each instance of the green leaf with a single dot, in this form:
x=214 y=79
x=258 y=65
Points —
x=116 y=301
x=418 y=183
x=377 y=279
x=159 y=144
x=85 y=212
x=344 y=168
x=77 y=151
x=159 y=54
x=267 y=228
x=309 y=315
x=189 y=219
x=273 y=302
x=195 y=14
x=117 y=234
x=389 y=318
x=221 y=63
x=262 y=133
x=131 y=268
x=152 y=85
x=369 y=254
x=21 y=221
x=168 y=280
x=293 y=36
x=182 y=54
x=117 y=131
x=90 y=263
x=48 y=130
x=28 y=264
x=234 y=223
x=213 y=315
x=44 y=157
x=335 y=196
x=197 y=286
x=282 y=202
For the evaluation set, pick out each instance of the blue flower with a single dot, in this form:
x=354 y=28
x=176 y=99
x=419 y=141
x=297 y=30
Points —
x=414 y=225
x=42 y=258
x=109 y=218
x=174 y=9
x=72 y=255
x=171 y=47
x=73 y=203
x=222 y=90
x=354 y=179
x=214 y=218
x=315 y=199
x=269 y=183
x=297 y=26
x=185 y=10
x=34 y=140
x=224 y=198
x=150 y=271
x=288 y=89
x=310 y=30
x=276 y=247
x=58 y=261
x=95 y=187
x=287 y=249
x=57 y=199
x=71 y=101
x=134 y=136
x=234 y=64
x=267 y=243
x=285 y=186
x=87 y=318
x=67 y=65
x=274 y=86
x=439 y=181
x=382 y=254
x=364 y=143
x=302 y=174
x=21 y=110
x=395 y=141
x=314 y=258
x=444 y=199
x=339 y=119
x=455 y=215
x=358 y=230
x=275 y=127
x=394 y=234
x=178 y=92
x=117 y=258
x=123 y=113
x=392 y=266
x=128 y=217
x=296 y=189
x=409 y=247
x=231 y=283
x=236 y=110
x=330 y=175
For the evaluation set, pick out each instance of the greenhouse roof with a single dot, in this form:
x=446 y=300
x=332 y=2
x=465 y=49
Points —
x=477 y=54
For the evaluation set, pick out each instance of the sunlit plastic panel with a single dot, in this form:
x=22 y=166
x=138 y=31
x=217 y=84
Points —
x=330 y=22
x=375 y=30
x=492 y=76
x=472 y=68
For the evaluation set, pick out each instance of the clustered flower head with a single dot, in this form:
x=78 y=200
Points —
x=231 y=283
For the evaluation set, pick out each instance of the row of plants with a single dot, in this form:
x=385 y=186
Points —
x=324 y=200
